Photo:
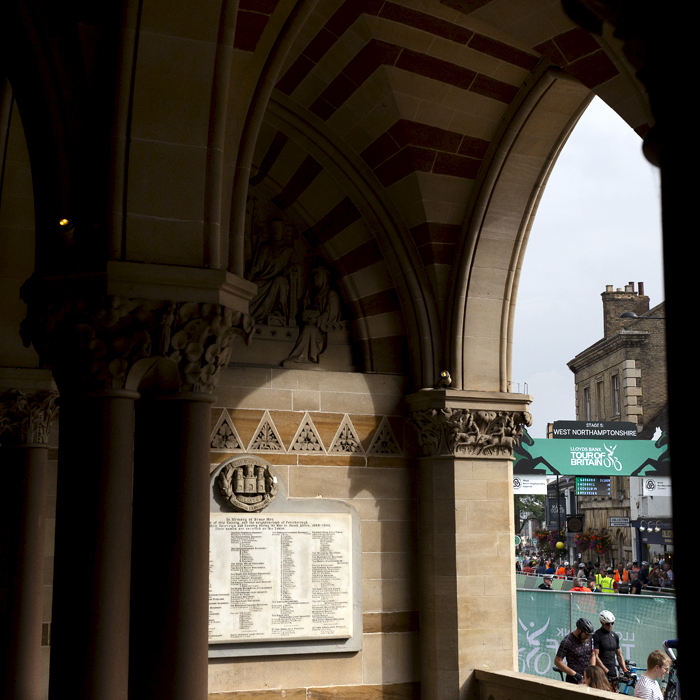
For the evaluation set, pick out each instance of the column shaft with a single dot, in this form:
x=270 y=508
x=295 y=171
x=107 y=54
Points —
x=90 y=623
x=170 y=573
x=467 y=560
x=468 y=603
x=23 y=530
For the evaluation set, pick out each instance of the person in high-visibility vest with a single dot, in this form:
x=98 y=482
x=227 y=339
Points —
x=622 y=575
x=622 y=579
x=607 y=582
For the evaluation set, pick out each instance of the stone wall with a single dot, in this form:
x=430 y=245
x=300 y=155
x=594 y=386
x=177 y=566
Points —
x=341 y=436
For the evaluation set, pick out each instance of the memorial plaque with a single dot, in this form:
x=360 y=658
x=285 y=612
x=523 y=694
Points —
x=280 y=576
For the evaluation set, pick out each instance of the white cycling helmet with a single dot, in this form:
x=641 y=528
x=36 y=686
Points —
x=566 y=563
x=606 y=616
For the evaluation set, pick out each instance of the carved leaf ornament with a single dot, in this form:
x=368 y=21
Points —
x=455 y=431
x=25 y=417
x=93 y=343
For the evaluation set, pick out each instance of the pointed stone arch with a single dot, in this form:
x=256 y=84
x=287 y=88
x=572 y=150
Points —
x=501 y=213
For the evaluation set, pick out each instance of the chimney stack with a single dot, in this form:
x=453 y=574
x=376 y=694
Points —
x=616 y=303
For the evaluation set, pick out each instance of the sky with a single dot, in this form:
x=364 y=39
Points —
x=598 y=223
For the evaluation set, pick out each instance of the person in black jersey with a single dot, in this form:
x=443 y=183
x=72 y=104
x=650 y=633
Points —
x=606 y=646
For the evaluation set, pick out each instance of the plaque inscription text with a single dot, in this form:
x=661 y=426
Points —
x=280 y=576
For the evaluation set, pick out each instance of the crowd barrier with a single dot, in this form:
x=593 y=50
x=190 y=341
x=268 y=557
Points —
x=533 y=580
x=546 y=617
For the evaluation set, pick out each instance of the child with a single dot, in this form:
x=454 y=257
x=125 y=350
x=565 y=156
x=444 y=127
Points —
x=594 y=677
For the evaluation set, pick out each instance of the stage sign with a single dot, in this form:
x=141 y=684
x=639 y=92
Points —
x=593 y=430
x=592 y=457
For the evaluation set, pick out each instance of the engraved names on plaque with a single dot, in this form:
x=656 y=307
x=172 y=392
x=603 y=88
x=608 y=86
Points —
x=280 y=576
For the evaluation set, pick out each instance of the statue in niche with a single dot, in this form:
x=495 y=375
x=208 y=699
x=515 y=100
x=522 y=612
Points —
x=275 y=269
x=321 y=313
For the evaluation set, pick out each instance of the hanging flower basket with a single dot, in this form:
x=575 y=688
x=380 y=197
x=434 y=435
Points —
x=547 y=540
x=591 y=541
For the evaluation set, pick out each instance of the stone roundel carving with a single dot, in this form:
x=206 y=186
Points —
x=247 y=484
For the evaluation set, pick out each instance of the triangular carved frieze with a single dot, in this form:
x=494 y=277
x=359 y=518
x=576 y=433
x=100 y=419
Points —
x=384 y=441
x=346 y=440
x=225 y=436
x=266 y=438
x=307 y=438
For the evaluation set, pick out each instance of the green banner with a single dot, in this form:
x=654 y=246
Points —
x=643 y=623
x=592 y=457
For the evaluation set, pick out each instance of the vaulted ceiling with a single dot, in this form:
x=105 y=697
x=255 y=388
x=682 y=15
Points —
x=407 y=142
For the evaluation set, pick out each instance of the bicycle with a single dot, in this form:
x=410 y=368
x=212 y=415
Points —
x=625 y=682
x=673 y=691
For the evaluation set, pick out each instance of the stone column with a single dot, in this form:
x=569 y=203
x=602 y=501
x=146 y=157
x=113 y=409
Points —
x=170 y=572
x=107 y=336
x=170 y=563
x=468 y=603
x=91 y=341
x=25 y=422
x=90 y=618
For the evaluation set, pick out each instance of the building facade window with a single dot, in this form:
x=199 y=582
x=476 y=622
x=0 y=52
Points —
x=587 y=403
x=616 y=394
x=600 y=400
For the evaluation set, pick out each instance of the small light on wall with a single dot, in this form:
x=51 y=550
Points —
x=63 y=222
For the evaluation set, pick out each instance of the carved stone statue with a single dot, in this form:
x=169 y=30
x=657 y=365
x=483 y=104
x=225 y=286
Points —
x=321 y=314
x=275 y=270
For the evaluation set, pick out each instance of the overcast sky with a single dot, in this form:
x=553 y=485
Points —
x=599 y=223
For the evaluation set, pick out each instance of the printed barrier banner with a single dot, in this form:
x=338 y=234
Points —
x=643 y=623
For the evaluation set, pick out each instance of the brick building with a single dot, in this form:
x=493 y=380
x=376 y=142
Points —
x=622 y=377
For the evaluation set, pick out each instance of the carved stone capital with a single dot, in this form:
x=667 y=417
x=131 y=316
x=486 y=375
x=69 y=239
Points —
x=91 y=342
x=25 y=417
x=461 y=431
x=489 y=427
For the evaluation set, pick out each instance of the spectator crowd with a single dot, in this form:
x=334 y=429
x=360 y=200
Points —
x=598 y=577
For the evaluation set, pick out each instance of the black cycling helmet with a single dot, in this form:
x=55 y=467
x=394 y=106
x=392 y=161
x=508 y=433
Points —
x=584 y=625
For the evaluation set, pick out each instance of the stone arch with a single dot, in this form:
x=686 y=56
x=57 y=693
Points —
x=44 y=68
x=382 y=278
x=502 y=211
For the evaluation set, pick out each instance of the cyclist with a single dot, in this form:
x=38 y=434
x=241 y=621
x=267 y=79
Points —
x=606 y=647
x=577 y=649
